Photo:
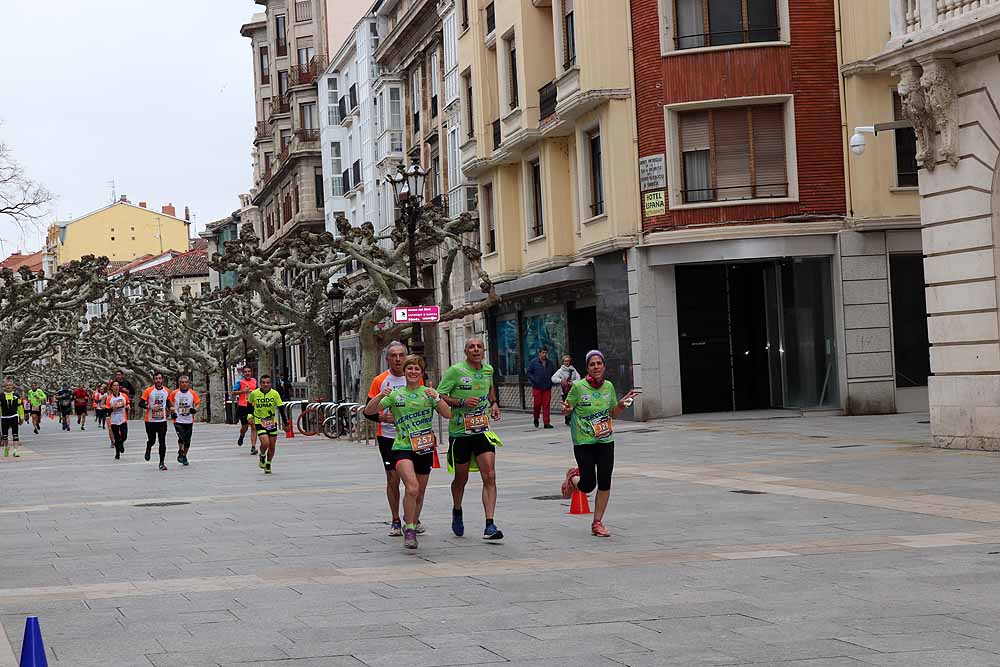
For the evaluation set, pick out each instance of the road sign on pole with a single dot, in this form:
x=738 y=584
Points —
x=403 y=314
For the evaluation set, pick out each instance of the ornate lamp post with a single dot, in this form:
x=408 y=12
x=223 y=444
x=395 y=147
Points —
x=222 y=332
x=335 y=296
x=408 y=189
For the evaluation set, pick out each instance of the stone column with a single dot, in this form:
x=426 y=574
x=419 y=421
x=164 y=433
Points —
x=655 y=347
x=864 y=268
x=958 y=207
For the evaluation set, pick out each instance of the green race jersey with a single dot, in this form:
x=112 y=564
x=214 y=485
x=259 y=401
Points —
x=590 y=421
x=36 y=397
x=413 y=410
x=264 y=406
x=463 y=381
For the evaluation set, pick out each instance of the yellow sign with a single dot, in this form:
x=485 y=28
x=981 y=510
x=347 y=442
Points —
x=654 y=203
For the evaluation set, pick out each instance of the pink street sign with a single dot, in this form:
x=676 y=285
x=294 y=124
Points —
x=416 y=314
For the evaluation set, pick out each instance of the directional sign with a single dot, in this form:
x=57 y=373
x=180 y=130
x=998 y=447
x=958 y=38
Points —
x=416 y=314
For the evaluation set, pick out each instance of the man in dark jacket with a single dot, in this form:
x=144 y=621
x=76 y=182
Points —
x=540 y=372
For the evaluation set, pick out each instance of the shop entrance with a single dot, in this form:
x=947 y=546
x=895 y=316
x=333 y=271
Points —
x=756 y=335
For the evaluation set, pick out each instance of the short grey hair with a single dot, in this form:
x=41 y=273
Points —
x=184 y=377
x=396 y=343
x=472 y=338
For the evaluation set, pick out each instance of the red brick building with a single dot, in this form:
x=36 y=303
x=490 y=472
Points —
x=735 y=284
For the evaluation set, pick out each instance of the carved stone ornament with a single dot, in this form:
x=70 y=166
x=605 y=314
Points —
x=914 y=107
x=940 y=96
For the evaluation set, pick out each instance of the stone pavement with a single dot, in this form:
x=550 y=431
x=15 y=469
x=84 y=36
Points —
x=797 y=542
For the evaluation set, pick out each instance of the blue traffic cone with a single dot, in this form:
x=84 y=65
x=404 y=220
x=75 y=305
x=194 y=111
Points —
x=33 y=650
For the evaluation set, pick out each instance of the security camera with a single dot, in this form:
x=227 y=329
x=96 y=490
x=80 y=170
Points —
x=858 y=143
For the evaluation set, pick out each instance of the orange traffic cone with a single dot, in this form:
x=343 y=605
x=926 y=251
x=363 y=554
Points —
x=437 y=461
x=580 y=503
x=289 y=431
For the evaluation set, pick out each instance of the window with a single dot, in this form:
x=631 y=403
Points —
x=435 y=176
x=373 y=31
x=454 y=176
x=353 y=94
x=265 y=66
x=286 y=138
x=596 y=174
x=733 y=153
x=489 y=228
x=306 y=55
x=415 y=98
x=434 y=84
x=308 y=116
x=303 y=11
x=906 y=149
x=333 y=110
x=512 y=72
x=283 y=82
x=491 y=19
x=465 y=14
x=268 y=159
x=470 y=123
x=721 y=22
x=535 y=176
x=395 y=109
x=569 y=35
x=318 y=184
x=280 y=36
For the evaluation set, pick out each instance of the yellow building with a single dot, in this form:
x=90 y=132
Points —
x=881 y=266
x=121 y=231
x=551 y=142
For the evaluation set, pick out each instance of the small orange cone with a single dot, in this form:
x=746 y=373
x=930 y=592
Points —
x=580 y=503
x=437 y=461
x=289 y=431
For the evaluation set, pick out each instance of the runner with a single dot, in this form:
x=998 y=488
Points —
x=468 y=388
x=185 y=402
x=36 y=399
x=11 y=416
x=263 y=401
x=64 y=400
x=126 y=388
x=99 y=396
x=243 y=387
x=593 y=404
x=154 y=402
x=412 y=407
x=81 y=399
x=117 y=405
x=385 y=435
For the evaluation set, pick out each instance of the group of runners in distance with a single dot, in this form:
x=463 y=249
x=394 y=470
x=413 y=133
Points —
x=466 y=395
x=398 y=400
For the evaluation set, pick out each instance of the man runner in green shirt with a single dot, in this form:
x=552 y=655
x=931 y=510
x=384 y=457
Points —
x=468 y=388
x=36 y=398
x=265 y=402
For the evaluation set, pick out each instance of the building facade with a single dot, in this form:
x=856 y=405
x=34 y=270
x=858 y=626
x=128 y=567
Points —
x=735 y=289
x=945 y=55
x=548 y=132
x=121 y=231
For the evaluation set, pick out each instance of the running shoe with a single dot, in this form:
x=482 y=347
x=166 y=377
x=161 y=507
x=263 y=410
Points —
x=180 y=458
x=267 y=468
x=6 y=451
x=146 y=455
x=457 y=525
x=492 y=533
x=239 y=443
x=117 y=456
x=261 y=463
x=82 y=427
x=410 y=538
x=396 y=530
x=163 y=466
x=567 y=485
x=17 y=454
x=549 y=426
x=185 y=461
x=597 y=529
x=253 y=450
x=420 y=529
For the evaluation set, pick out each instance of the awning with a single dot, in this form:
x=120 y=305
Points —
x=539 y=282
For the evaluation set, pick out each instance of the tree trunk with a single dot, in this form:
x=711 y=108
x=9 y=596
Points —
x=318 y=352
x=265 y=362
x=216 y=396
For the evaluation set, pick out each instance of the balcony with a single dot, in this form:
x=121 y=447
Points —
x=306 y=75
x=356 y=174
x=280 y=105
x=262 y=132
x=497 y=139
x=303 y=12
x=932 y=32
x=345 y=180
x=547 y=96
x=307 y=136
x=389 y=146
x=353 y=94
x=463 y=199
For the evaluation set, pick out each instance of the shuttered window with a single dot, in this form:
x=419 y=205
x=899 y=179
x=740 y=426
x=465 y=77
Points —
x=733 y=153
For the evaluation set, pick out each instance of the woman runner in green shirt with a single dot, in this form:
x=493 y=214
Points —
x=592 y=404
x=412 y=452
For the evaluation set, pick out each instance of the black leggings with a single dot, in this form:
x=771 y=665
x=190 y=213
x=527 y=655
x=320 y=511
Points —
x=120 y=434
x=9 y=426
x=596 y=462
x=157 y=431
x=183 y=436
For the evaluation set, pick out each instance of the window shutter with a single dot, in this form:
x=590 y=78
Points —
x=694 y=131
x=769 y=151
x=732 y=154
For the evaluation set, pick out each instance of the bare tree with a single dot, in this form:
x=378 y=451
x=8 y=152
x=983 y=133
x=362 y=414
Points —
x=22 y=200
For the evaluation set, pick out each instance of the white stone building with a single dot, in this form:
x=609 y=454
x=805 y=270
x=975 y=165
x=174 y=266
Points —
x=945 y=53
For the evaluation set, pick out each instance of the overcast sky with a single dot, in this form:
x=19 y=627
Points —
x=154 y=95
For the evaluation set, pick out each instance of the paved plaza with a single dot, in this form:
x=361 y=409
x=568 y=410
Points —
x=802 y=542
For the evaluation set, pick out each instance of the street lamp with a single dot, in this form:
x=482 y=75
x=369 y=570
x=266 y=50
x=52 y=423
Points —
x=335 y=296
x=408 y=188
x=222 y=332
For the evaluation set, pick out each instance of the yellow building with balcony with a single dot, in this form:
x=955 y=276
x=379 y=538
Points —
x=551 y=141
x=121 y=231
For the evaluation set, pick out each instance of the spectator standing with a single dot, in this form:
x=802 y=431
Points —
x=565 y=377
x=540 y=371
